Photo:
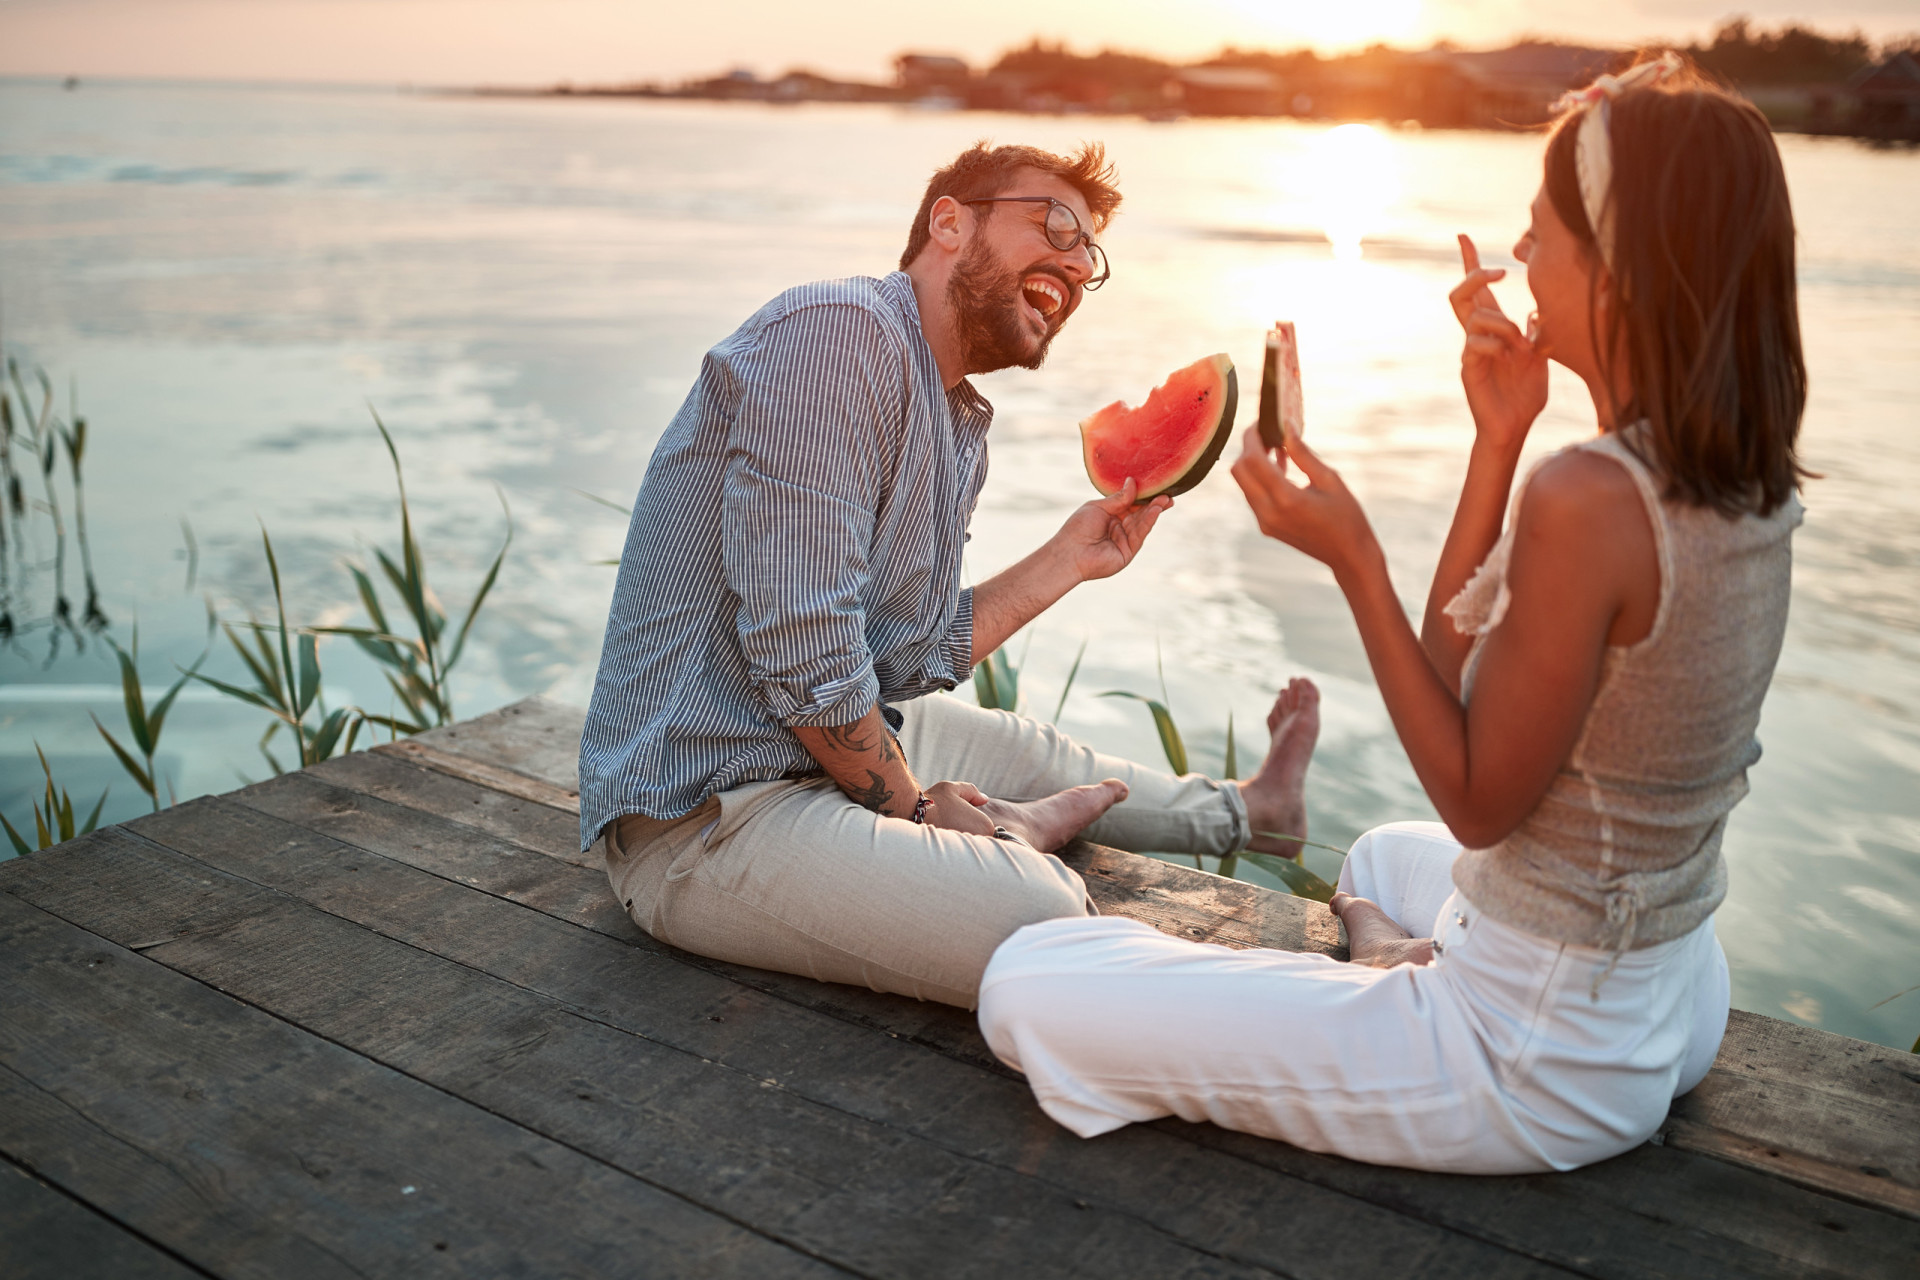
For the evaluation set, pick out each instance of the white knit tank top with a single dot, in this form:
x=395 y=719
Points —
x=1623 y=850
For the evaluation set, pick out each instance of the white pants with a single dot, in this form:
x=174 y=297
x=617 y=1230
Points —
x=1498 y=1057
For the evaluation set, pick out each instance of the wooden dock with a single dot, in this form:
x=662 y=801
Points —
x=379 y=1018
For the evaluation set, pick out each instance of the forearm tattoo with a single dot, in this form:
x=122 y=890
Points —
x=856 y=740
x=874 y=795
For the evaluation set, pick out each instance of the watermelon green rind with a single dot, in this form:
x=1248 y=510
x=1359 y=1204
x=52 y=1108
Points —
x=1130 y=433
x=1230 y=404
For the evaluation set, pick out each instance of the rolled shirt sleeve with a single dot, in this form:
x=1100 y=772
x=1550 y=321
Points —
x=821 y=406
x=954 y=658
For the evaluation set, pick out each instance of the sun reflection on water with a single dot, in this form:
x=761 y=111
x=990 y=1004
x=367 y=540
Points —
x=1356 y=174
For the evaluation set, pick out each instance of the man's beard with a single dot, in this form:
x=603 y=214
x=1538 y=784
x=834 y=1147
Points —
x=986 y=301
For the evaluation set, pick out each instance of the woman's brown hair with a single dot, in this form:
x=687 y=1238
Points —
x=1705 y=310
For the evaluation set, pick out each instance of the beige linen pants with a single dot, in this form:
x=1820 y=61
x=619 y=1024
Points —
x=791 y=875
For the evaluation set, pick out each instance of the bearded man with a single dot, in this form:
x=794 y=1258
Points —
x=767 y=781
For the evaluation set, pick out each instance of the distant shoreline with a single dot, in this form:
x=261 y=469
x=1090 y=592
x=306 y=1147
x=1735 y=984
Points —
x=1803 y=82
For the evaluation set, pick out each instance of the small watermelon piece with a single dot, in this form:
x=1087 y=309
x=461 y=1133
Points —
x=1169 y=443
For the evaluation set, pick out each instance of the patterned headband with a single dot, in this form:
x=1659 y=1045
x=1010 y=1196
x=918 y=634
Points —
x=1593 y=151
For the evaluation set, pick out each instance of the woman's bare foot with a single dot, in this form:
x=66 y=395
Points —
x=1052 y=821
x=1276 y=795
x=1374 y=939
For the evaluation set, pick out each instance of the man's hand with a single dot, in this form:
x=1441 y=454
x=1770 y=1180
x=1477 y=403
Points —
x=959 y=806
x=1102 y=537
x=1097 y=541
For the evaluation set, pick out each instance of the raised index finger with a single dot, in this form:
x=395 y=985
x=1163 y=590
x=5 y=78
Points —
x=1469 y=256
x=1472 y=292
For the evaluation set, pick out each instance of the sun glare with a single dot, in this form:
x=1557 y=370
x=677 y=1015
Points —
x=1345 y=25
x=1356 y=175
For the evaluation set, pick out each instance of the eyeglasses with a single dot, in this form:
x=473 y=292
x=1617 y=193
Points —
x=1064 y=232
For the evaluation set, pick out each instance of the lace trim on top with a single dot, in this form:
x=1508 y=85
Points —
x=1480 y=605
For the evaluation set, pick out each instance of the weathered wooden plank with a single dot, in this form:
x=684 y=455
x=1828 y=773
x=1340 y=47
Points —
x=567 y=892
x=536 y=737
x=255 y=1149
x=505 y=782
x=1833 y=1112
x=1193 y=904
x=403 y=777
x=1672 y=1237
x=869 y=1196
x=48 y=1235
x=1653 y=1190
x=1825 y=1111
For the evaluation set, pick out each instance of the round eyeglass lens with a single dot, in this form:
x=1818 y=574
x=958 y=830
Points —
x=1063 y=227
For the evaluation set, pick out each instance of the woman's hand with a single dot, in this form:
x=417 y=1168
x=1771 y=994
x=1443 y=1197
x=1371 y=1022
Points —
x=1504 y=373
x=1321 y=518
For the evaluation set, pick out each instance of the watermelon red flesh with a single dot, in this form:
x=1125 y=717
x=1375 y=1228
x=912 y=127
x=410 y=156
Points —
x=1169 y=443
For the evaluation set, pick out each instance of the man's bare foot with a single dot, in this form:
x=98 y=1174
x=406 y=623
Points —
x=1052 y=821
x=1374 y=939
x=1276 y=795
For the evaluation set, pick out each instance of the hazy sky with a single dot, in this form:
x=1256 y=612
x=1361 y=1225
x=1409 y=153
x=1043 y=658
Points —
x=536 y=41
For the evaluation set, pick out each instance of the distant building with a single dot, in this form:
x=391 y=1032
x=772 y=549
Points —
x=1227 y=91
x=931 y=75
x=1888 y=99
x=1506 y=88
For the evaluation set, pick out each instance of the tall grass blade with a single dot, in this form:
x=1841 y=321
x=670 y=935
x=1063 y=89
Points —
x=132 y=696
x=309 y=647
x=1170 y=741
x=986 y=689
x=328 y=735
x=93 y=819
x=1301 y=882
x=486 y=585
x=157 y=717
x=20 y=846
x=605 y=502
x=1312 y=844
x=280 y=607
x=266 y=668
x=1231 y=766
x=139 y=775
x=1008 y=677
x=235 y=691
x=1067 y=688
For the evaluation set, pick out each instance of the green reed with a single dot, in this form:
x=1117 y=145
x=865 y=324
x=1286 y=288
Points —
x=143 y=724
x=281 y=659
x=285 y=666
x=55 y=823
x=417 y=667
x=33 y=438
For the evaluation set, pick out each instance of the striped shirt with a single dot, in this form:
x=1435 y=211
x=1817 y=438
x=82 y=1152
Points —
x=794 y=556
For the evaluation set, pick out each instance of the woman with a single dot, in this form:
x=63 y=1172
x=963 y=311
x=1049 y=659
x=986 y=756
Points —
x=1580 y=705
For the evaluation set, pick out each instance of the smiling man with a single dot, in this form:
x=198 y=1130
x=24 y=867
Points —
x=765 y=777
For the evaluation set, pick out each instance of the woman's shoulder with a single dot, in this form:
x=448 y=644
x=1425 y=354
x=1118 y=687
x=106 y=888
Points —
x=1581 y=488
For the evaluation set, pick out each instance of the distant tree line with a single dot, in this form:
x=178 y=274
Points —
x=1738 y=52
x=1742 y=54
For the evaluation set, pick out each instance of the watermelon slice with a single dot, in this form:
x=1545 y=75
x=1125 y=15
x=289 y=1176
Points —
x=1169 y=443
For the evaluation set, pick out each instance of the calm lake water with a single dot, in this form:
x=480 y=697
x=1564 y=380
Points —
x=524 y=290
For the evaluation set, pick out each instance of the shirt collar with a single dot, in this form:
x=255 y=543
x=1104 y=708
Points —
x=971 y=410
